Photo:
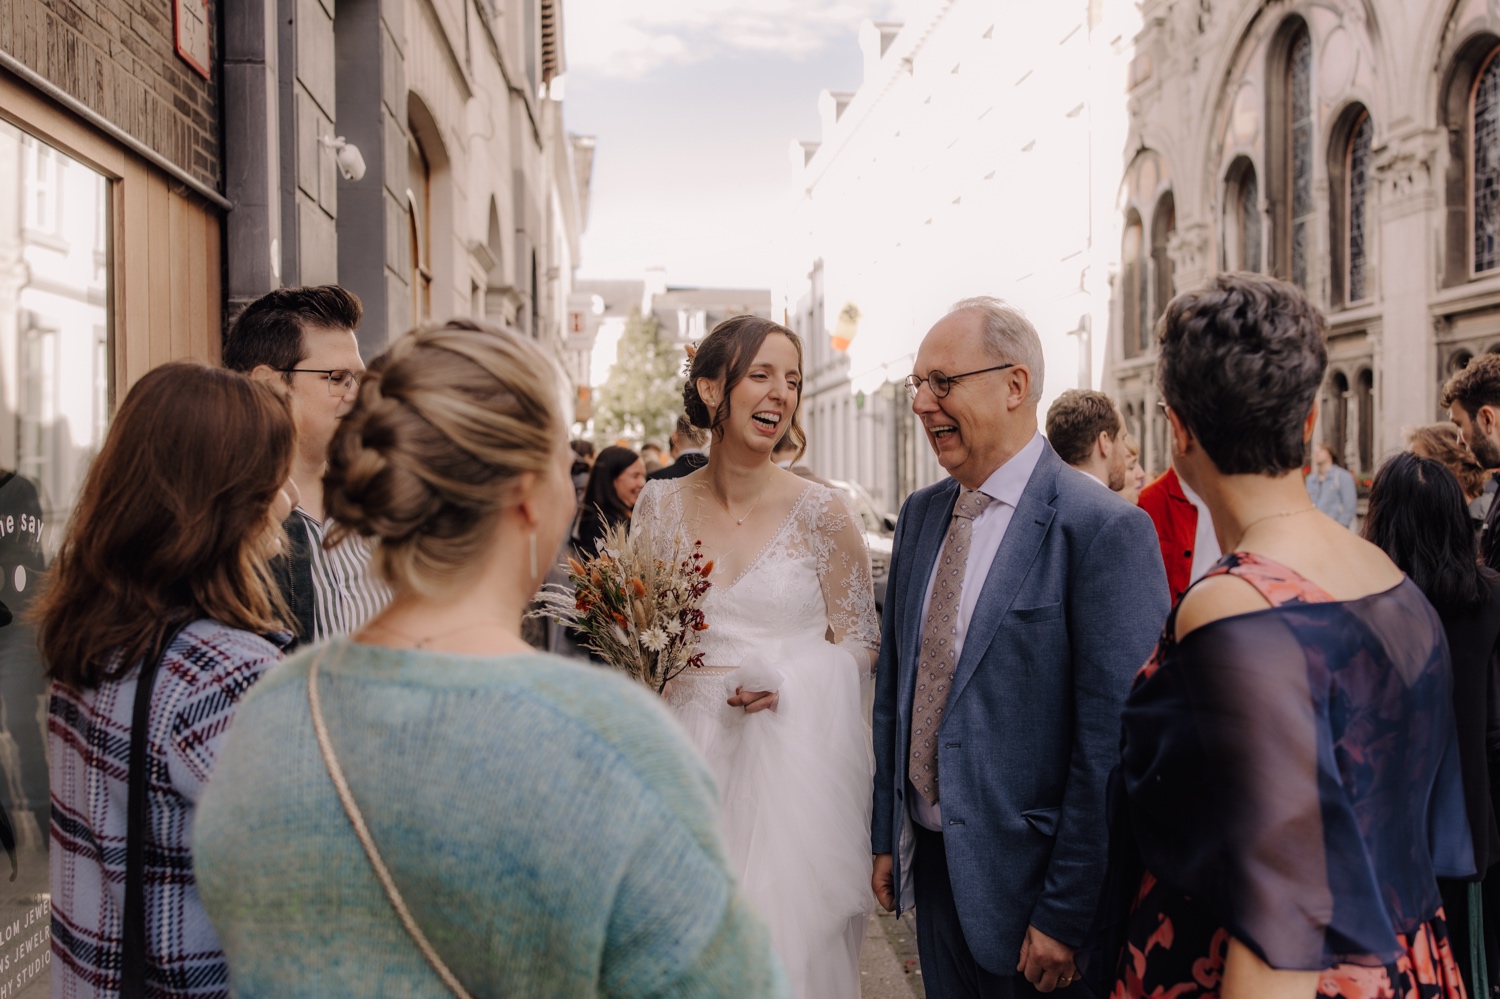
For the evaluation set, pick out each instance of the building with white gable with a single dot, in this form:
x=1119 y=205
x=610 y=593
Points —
x=980 y=155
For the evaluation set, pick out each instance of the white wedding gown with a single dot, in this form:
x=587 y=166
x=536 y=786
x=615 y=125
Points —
x=795 y=782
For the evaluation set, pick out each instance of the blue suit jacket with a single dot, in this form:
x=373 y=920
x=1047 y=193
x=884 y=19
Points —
x=1072 y=605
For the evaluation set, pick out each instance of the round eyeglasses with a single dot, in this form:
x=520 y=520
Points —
x=341 y=381
x=942 y=384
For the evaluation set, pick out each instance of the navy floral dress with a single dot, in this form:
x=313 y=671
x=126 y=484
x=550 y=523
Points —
x=1289 y=778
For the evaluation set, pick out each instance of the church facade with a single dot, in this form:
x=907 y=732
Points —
x=1351 y=147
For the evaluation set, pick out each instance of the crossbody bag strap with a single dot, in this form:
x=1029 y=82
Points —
x=137 y=818
x=357 y=819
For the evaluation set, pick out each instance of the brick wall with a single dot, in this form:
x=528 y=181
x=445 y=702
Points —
x=117 y=57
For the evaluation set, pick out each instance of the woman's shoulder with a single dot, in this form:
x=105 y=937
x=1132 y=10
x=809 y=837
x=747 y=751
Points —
x=208 y=652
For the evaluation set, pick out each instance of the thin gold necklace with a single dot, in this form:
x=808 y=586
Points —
x=740 y=521
x=1245 y=531
x=422 y=642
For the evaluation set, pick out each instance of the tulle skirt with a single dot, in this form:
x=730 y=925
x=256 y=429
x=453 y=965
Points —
x=795 y=787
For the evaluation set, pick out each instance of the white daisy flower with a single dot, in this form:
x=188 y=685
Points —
x=654 y=639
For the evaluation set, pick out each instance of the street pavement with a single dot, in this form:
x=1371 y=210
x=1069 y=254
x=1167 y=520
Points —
x=888 y=964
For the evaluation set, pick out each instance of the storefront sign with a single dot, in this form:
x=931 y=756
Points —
x=190 y=27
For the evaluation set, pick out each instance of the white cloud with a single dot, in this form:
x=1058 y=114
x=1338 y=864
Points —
x=630 y=38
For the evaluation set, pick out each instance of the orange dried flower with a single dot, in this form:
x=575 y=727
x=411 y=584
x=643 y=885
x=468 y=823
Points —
x=637 y=587
x=576 y=566
x=708 y=567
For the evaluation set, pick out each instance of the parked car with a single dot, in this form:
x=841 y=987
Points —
x=879 y=529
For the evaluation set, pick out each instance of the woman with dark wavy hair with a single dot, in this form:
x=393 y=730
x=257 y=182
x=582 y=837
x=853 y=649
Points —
x=776 y=708
x=1288 y=792
x=1418 y=517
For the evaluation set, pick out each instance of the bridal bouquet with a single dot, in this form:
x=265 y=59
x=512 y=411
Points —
x=637 y=612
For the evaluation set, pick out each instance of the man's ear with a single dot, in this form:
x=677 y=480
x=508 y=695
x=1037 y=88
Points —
x=1105 y=445
x=265 y=373
x=1018 y=386
x=1487 y=420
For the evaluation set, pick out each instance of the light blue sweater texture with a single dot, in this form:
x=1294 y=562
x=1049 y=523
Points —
x=549 y=828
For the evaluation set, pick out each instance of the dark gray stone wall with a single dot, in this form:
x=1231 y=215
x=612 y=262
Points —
x=118 y=58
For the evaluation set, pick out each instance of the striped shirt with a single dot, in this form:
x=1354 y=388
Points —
x=346 y=591
x=205 y=673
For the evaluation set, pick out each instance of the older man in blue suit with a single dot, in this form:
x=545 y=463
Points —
x=1022 y=600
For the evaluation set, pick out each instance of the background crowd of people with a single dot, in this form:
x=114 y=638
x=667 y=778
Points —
x=1305 y=766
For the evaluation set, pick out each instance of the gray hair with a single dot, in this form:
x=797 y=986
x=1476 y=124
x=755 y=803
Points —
x=1009 y=336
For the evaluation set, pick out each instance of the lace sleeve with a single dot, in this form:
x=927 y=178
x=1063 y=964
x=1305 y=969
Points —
x=844 y=573
x=646 y=520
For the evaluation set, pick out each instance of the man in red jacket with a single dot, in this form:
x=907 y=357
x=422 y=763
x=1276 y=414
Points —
x=1189 y=547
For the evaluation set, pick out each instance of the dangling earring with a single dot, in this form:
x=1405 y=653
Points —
x=534 y=573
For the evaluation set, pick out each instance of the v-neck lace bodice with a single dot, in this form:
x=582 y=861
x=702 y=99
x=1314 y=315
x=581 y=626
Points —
x=810 y=578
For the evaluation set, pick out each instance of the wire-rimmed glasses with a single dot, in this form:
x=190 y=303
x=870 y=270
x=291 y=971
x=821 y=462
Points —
x=341 y=381
x=942 y=384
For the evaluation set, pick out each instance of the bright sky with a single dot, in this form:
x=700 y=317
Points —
x=694 y=104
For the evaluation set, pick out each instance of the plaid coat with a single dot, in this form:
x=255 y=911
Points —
x=206 y=671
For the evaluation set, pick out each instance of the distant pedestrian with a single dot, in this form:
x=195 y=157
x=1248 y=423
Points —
x=687 y=444
x=1135 y=475
x=545 y=825
x=652 y=457
x=583 y=462
x=1288 y=791
x=1442 y=443
x=164 y=569
x=616 y=481
x=1084 y=427
x=1331 y=487
x=303 y=339
x=1473 y=400
x=1417 y=515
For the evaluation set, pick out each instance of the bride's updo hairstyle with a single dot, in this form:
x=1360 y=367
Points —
x=727 y=353
x=447 y=419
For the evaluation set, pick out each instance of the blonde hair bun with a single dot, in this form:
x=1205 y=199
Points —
x=447 y=419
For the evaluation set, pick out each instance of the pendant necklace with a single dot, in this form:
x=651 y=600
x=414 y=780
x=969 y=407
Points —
x=740 y=521
x=422 y=642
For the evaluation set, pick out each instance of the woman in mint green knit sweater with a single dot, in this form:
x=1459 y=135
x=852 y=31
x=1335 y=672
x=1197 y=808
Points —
x=546 y=827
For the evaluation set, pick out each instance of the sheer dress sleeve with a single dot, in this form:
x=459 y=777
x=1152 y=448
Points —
x=844 y=574
x=1291 y=771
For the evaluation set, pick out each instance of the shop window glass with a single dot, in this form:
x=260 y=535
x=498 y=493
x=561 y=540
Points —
x=54 y=408
x=1358 y=203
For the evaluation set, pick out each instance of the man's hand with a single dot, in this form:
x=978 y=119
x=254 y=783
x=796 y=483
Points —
x=754 y=700
x=1046 y=963
x=882 y=881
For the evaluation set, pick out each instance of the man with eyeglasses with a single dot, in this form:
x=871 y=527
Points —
x=1021 y=601
x=303 y=338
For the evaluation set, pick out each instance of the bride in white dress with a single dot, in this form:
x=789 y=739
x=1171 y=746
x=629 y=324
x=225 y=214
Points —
x=791 y=638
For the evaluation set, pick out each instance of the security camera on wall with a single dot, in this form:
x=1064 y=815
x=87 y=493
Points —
x=351 y=163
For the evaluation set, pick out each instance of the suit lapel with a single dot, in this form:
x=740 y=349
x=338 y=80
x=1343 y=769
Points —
x=1023 y=540
x=924 y=557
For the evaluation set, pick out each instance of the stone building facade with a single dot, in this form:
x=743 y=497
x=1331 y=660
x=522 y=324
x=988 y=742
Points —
x=1349 y=146
x=473 y=195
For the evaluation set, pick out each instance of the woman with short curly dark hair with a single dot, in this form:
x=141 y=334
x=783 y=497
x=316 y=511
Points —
x=1289 y=768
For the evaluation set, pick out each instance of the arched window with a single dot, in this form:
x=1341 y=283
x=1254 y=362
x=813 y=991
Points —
x=1163 y=224
x=1241 y=217
x=1356 y=208
x=419 y=225
x=1364 y=408
x=1485 y=170
x=1299 y=149
x=1133 y=280
x=1336 y=414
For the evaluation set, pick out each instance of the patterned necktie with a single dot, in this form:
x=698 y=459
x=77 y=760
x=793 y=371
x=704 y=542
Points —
x=939 y=658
